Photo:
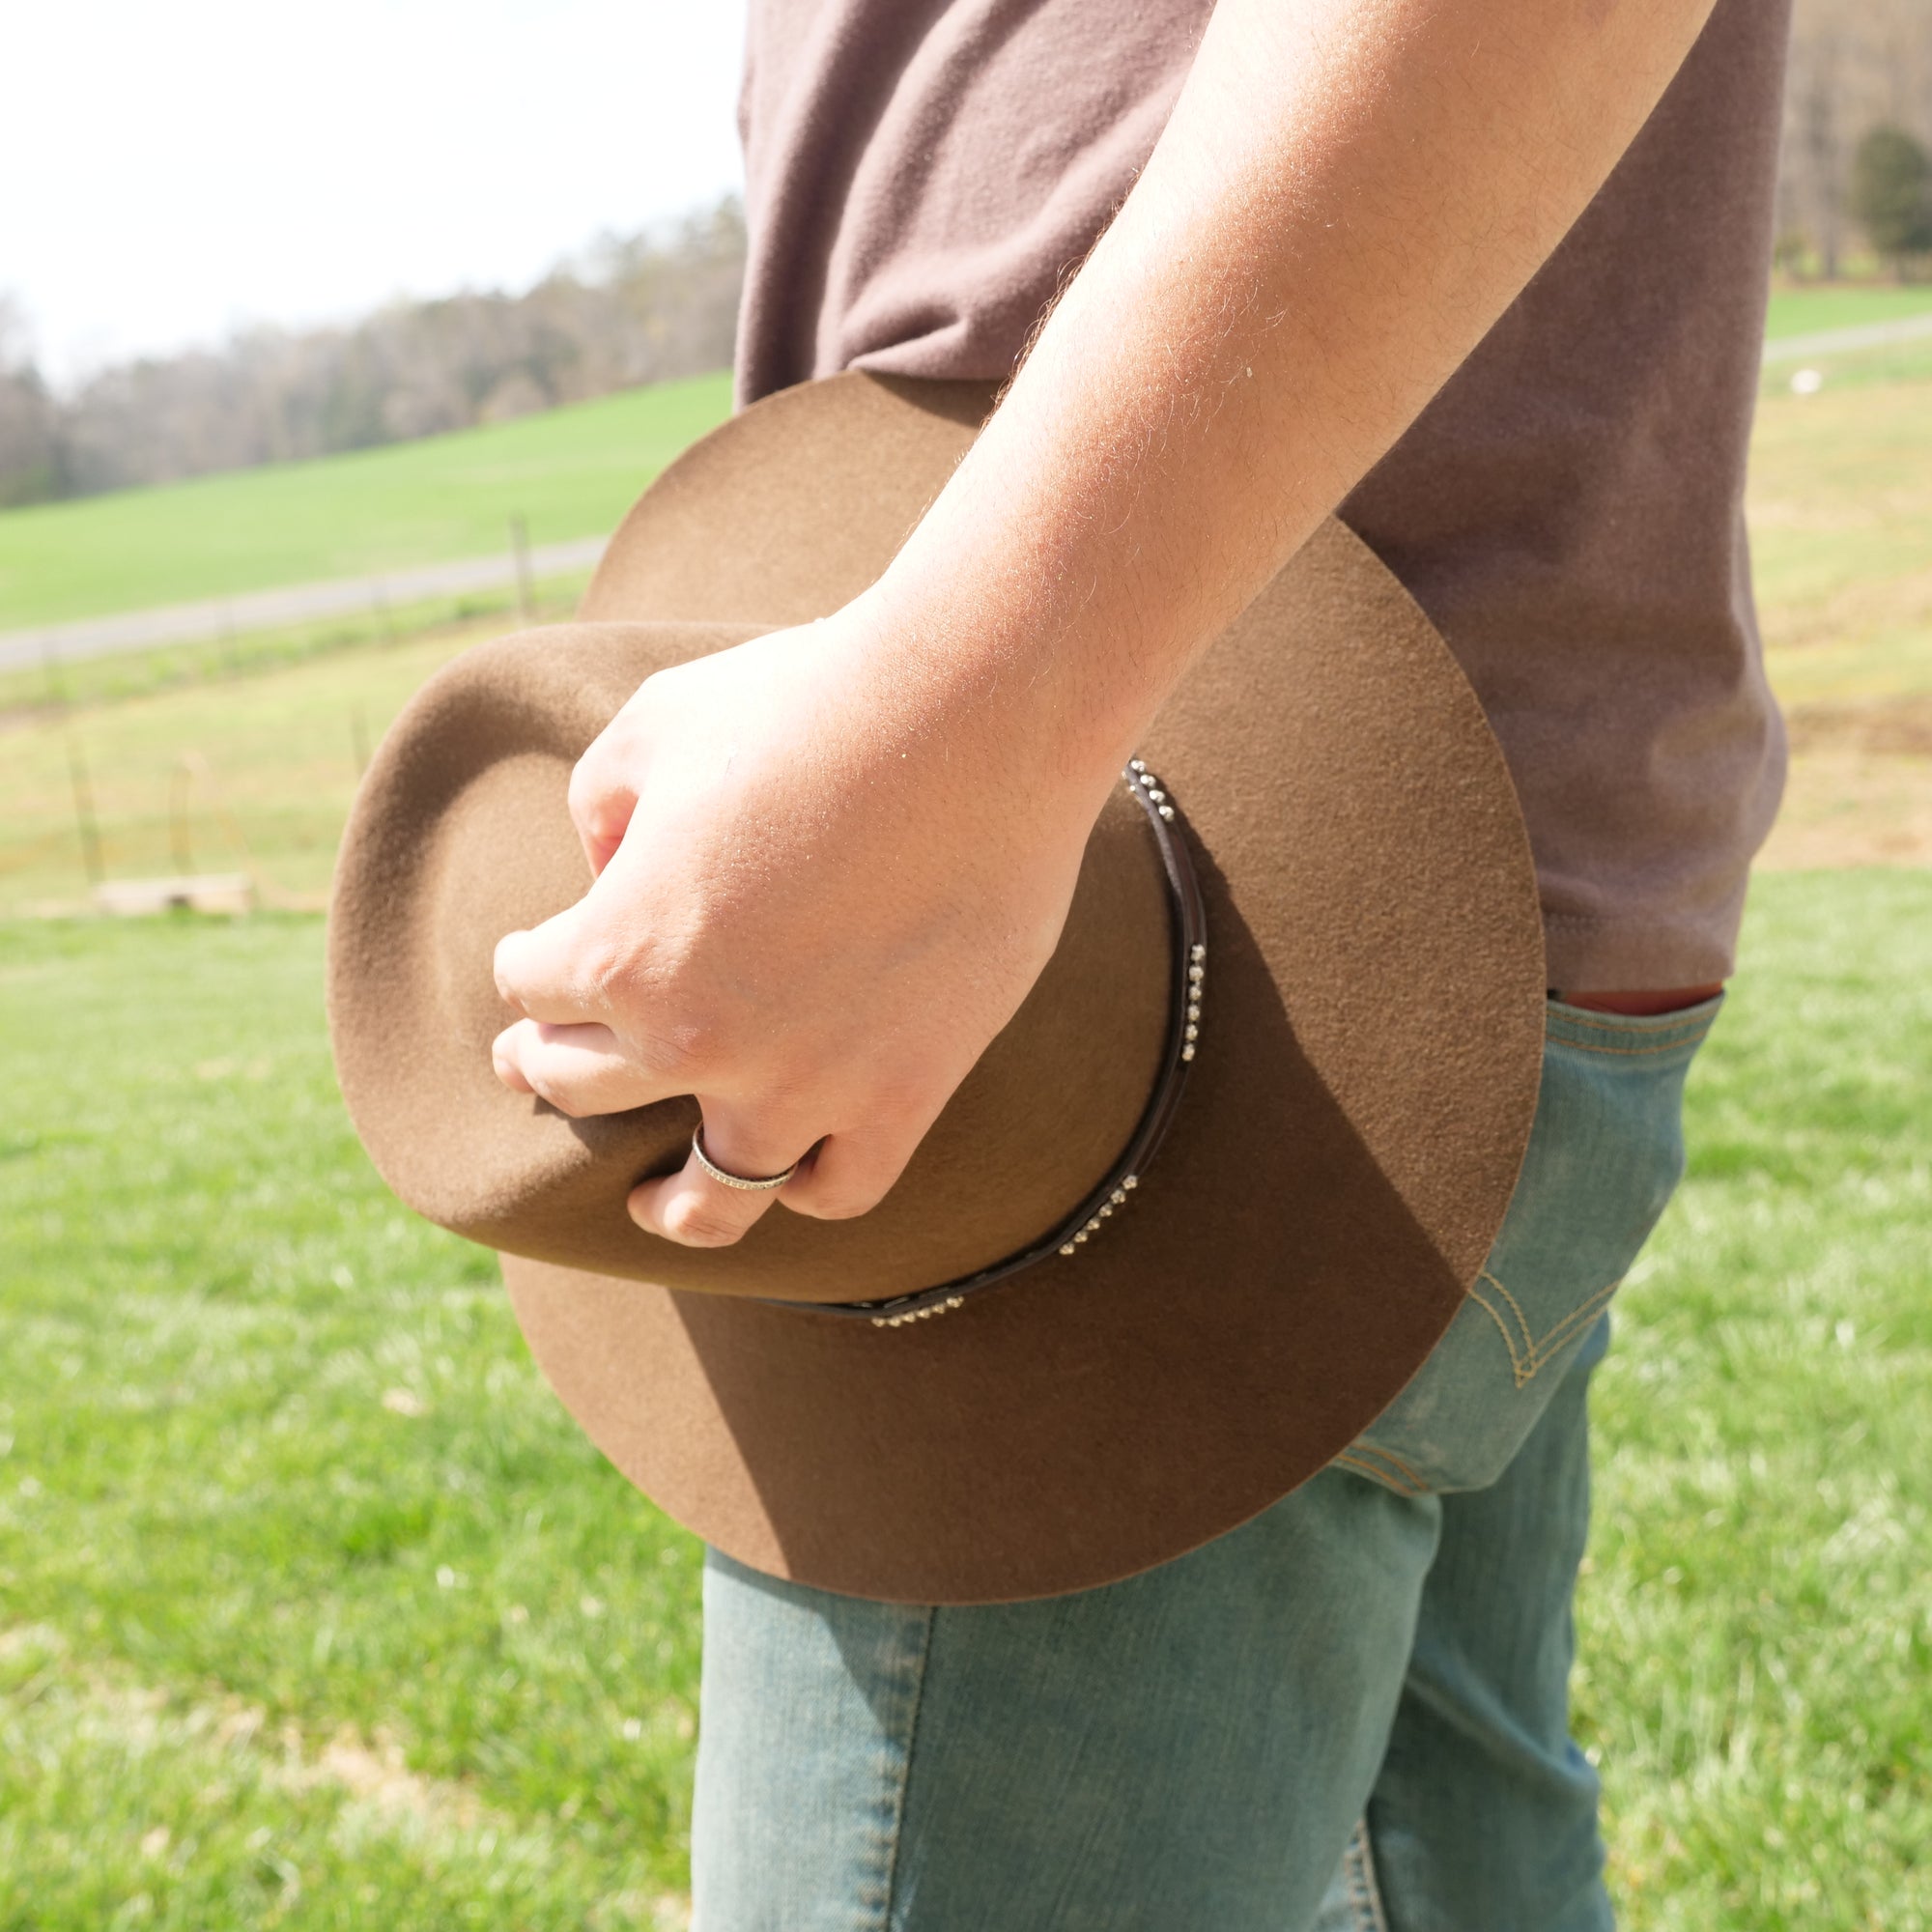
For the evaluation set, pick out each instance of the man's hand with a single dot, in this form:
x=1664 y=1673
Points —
x=833 y=861
x=810 y=911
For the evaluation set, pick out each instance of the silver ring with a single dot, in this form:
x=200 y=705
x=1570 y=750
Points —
x=737 y=1181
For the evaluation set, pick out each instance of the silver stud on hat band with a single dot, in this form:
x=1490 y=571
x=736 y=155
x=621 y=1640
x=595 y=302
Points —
x=1111 y=1196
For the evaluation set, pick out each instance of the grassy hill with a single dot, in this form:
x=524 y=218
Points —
x=569 y=472
x=191 y=762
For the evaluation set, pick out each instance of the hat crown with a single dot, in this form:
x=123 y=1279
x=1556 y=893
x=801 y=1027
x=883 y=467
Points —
x=463 y=832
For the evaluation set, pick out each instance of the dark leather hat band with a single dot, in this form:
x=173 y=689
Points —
x=1189 y=927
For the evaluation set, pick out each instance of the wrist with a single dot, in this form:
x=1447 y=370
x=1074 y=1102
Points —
x=965 y=688
x=1019 y=690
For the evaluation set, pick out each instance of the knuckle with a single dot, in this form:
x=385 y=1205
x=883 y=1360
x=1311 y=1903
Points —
x=841 y=1204
x=598 y=956
x=662 y=1055
x=606 y=969
x=700 y=1226
x=586 y=794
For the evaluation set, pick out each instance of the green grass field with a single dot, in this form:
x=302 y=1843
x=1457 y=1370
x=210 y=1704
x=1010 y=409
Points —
x=570 y=473
x=316 y=1613
x=280 y=1498
x=1840 y=507
x=1840 y=512
x=1810 y=311
x=278 y=763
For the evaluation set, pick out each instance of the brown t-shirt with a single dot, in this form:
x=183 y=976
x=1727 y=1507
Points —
x=922 y=176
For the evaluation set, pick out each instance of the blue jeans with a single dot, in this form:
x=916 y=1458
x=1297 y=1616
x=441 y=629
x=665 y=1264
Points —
x=1349 y=1714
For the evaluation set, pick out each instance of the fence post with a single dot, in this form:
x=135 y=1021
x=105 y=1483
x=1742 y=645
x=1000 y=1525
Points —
x=179 y=845
x=520 y=548
x=50 y=664
x=83 y=810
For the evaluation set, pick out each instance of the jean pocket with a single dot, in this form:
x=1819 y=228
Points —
x=1605 y=1153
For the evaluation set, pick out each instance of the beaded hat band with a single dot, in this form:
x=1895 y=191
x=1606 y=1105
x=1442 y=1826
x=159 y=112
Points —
x=1189 y=917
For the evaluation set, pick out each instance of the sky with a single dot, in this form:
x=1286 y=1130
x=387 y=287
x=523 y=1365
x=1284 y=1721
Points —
x=171 y=172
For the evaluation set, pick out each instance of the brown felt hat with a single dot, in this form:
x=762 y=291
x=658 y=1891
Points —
x=1244 y=1237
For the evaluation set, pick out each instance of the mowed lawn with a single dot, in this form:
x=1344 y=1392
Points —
x=1810 y=311
x=316 y=1613
x=569 y=472
x=1840 y=511
x=313 y=1610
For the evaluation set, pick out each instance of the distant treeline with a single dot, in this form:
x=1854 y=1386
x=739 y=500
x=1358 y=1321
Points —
x=639 y=309
x=1856 y=67
x=663 y=303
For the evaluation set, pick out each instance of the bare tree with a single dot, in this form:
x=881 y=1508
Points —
x=1891 y=195
x=637 y=308
x=27 y=426
x=1855 y=65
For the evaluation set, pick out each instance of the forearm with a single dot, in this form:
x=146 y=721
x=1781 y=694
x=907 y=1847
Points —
x=1349 y=194
x=825 y=925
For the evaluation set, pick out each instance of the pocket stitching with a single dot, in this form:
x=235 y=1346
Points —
x=1688 y=1021
x=1530 y=1359
x=1644 y=1052
x=1355 y=1457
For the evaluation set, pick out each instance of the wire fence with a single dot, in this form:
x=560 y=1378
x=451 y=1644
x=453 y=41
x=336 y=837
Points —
x=216 y=776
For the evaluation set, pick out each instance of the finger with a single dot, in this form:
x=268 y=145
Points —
x=690 y=1207
x=850 y=1174
x=604 y=792
x=545 y=973
x=579 y=1069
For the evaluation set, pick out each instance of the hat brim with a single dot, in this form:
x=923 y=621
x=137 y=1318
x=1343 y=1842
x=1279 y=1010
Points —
x=1336 y=1174
x=1346 y=1152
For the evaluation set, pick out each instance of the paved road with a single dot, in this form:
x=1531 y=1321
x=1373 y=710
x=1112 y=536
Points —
x=271 y=609
x=1837 y=341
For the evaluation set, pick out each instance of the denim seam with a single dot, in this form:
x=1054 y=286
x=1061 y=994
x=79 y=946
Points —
x=1404 y=1478
x=896 y=1825
x=1365 y=1901
x=1528 y=1360
x=1388 y=1480
x=1651 y=1050
x=1407 y=1470
x=1581 y=1016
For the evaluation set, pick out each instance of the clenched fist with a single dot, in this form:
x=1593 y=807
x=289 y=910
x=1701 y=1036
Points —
x=824 y=882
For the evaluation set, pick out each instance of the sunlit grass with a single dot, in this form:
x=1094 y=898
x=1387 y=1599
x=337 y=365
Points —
x=1840 y=511
x=569 y=472
x=315 y=1611
x=274 y=1448
x=1759 y=1615
x=1829 y=305
x=253 y=773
